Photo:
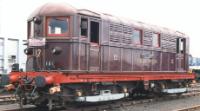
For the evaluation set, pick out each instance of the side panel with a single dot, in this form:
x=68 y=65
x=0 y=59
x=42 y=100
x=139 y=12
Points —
x=115 y=59
x=83 y=56
x=137 y=60
x=75 y=56
x=156 y=61
x=165 y=61
x=63 y=61
x=186 y=62
x=172 y=61
x=105 y=58
x=94 y=64
x=147 y=55
x=114 y=51
x=126 y=60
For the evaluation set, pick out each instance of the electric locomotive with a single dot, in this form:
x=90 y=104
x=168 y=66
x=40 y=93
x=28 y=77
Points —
x=77 y=55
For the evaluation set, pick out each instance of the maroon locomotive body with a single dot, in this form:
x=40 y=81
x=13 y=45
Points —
x=97 y=42
x=84 y=56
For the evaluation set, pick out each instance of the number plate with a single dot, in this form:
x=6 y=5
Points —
x=37 y=42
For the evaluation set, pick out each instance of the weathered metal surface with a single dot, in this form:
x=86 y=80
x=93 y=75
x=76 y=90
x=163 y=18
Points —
x=115 y=50
x=58 y=78
x=85 y=57
x=53 y=9
x=63 y=9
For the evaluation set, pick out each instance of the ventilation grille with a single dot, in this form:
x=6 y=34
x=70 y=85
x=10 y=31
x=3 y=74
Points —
x=168 y=43
x=147 y=39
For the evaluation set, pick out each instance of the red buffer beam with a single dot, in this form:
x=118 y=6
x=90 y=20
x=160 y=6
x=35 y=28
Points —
x=58 y=78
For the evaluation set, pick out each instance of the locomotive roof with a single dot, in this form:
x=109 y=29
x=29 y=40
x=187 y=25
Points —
x=64 y=9
x=54 y=9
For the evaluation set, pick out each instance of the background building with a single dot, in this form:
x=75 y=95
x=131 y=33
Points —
x=11 y=51
x=195 y=61
x=11 y=45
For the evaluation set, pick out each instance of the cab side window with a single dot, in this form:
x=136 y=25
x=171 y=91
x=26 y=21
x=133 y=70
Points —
x=84 y=27
x=156 y=40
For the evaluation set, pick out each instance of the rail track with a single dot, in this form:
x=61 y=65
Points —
x=126 y=103
x=193 y=108
x=7 y=99
x=194 y=91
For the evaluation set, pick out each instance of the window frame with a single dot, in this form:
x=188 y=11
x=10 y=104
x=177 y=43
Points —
x=140 y=37
x=66 y=34
x=99 y=31
x=158 y=40
x=29 y=29
x=87 y=32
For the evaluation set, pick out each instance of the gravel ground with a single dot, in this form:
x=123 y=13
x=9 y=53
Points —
x=168 y=105
x=12 y=107
x=8 y=107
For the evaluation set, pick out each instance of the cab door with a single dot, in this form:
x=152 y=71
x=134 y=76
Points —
x=181 y=54
x=94 y=37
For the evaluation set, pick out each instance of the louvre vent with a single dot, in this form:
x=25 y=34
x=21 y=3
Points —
x=126 y=39
x=115 y=36
x=168 y=43
x=168 y=38
x=127 y=33
x=147 y=39
x=116 y=32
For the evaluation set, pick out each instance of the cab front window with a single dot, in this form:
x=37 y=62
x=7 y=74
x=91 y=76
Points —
x=57 y=26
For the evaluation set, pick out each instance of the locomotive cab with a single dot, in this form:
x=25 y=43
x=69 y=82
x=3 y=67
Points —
x=63 y=39
x=50 y=33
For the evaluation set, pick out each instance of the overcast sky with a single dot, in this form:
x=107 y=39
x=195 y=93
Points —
x=181 y=15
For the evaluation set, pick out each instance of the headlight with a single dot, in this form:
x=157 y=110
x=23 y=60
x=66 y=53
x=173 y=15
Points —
x=37 y=20
x=56 y=50
x=28 y=51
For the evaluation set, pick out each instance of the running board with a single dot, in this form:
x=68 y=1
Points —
x=175 y=90
x=108 y=96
